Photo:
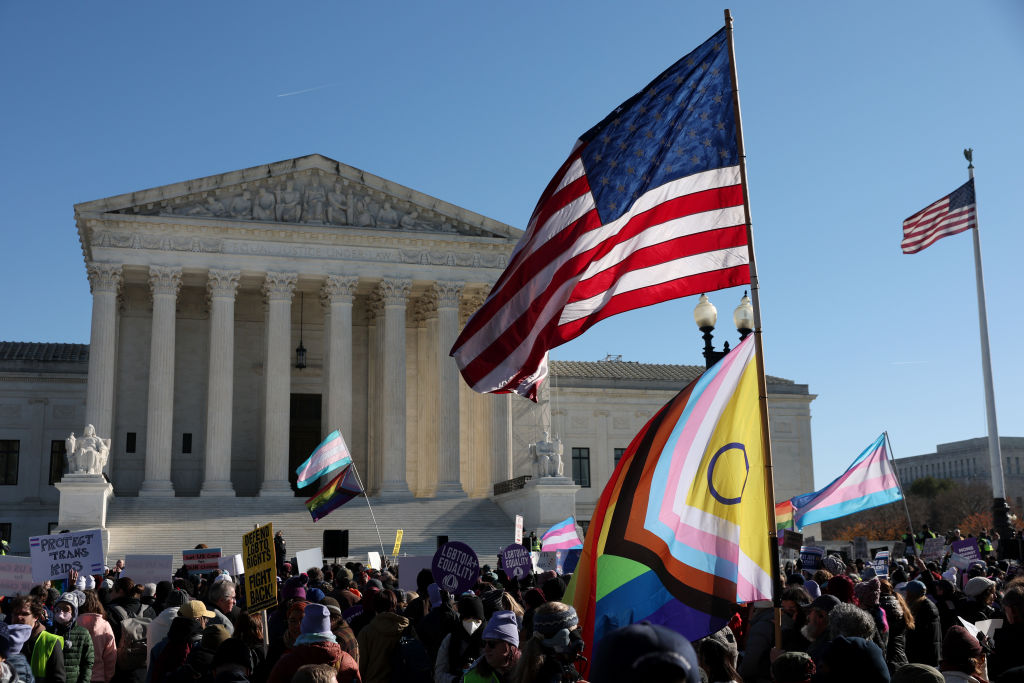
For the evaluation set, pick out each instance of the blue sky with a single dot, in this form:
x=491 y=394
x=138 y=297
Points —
x=854 y=115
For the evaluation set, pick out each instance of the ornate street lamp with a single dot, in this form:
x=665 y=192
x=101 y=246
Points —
x=706 y=315
x=300 y=351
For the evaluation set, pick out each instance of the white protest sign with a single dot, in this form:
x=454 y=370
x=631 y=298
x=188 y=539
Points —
x=148 y=568
x=548 y=561
x=409 y=568
x=307 y=559
x=55 y=555
x=881 y=564
x=933 y=549
x=15 y=575
x=373 y=559
x=232 y=564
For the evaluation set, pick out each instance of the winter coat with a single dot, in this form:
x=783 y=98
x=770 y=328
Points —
x=131 y=607
x=48 y=662
x=324 y=652
x=756 y=666
x=21 y=668
x=1007 y=652
x=103 y=645
x=896 y=649
x=377 y=645
x=78 y=650
x=924 y=640
x=456 y=649
x=157 y=630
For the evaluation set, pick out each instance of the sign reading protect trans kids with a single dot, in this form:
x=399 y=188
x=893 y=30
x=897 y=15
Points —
x=55 y=555
x=260 y=569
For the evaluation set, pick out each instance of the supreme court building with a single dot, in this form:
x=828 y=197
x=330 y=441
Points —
x=204 y=290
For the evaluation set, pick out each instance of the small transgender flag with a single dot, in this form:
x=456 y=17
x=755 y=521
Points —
x=328 y=456
x=561 y=536
x=869 y=482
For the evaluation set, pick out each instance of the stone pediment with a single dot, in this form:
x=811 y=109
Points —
x=312 y=191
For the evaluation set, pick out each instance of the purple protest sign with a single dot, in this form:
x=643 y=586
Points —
x=455 y=567
x=517 y=561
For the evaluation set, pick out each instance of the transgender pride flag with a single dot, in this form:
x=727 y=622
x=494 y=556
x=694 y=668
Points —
x=561 y=536
x=328 y=456
x=869 y=482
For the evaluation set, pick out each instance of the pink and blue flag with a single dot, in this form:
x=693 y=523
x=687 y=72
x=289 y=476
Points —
x=869 y=482
x=561 y=536
x=328 y=456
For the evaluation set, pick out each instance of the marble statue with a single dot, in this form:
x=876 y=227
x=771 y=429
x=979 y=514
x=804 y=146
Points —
x=337 y=206
x=388 y=217
x=313 y=201
x=410 y=221
x=289 y=207
x=363 y=215
x=547 y=457
x=263 y=209
x=241 y=206
x=87 y=454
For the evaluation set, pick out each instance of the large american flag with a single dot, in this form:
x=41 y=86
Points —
x=954 y=213
x=648 y=207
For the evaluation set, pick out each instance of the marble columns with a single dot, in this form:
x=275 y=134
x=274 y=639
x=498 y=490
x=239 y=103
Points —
x=338 y=293
x=446 y=296
x=104 y=282
x=222 y=286
x=279 y=289
x=395 y=295
x=165 y=282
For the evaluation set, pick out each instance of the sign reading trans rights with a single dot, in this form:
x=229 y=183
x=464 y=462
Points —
x=455 y=567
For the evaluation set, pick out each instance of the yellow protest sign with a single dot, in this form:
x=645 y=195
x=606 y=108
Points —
x=398 y=542
x=260 y=569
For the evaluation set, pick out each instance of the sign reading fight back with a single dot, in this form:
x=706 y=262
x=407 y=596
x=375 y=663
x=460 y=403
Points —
x=260 y=568
x=55 y=555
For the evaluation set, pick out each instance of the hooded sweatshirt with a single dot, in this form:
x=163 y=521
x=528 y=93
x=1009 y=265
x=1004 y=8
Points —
x=16 y=659
x=103 y=646
x=78 y=648
x=377 y=643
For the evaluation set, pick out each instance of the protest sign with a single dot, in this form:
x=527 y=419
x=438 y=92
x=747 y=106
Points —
x=373 y=559
x=148 y=568
x=232 y=565
x=964 y=552
x=571 y=559
x=307 y=559
x=792 y=539
x=409 y=568
x=201 y=560
x=548 y=561
x=516 y=561
x=15 y=575
x=260 y=569
x=455 y=567
x=811 y=556
x=398 y=542
x=934 y=549
x=55 y=555
x=899 y=549
x=519 y=529
x=535 y=558
x=881 y=564
x=860 y=548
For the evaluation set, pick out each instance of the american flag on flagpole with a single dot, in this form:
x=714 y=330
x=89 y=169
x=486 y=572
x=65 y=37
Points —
x=647 y=208
x=954 y=213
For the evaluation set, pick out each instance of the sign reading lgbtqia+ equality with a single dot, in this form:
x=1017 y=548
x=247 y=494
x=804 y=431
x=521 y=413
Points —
x=516 y=561
x=55 y=555
x=455 y=567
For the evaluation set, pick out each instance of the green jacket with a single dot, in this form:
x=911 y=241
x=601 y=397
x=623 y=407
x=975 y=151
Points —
x=78 y=653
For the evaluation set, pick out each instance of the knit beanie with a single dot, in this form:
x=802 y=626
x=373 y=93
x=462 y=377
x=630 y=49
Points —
x=316 y=619
x=833 y=565
x=314 y=595
x=434 y=593
x=333 y=606
x=503 y=626
x=471 y=607
x=841 y=587
x=17 y=634
x=917 y=673
x=295 y=587
x=978 y=585
x=492 y=601
x=554 y=589
x=548 y=622
x=812 y=588
x=233 y=651
x=958 y=647
x=915 y=589
x=642 y=652
x=793 y=667
x=869 y=592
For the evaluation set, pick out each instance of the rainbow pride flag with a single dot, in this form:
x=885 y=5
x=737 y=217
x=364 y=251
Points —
x=680 y=533
x=339 y=491
x=869 y=482
x=784 y=516
x=331 y=454
x=561 y=536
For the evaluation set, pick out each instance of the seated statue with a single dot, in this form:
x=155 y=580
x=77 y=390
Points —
x=547 y=457
x=88 y=454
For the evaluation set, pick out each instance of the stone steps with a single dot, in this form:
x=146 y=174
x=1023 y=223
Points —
x=169 y=525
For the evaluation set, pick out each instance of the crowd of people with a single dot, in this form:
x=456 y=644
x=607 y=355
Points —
x=916 y=622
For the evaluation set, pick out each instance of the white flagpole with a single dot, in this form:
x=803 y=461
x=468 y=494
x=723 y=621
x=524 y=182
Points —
x=355 y=471
x=1000 y=510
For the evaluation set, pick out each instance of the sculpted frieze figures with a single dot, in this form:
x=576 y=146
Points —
x=263 y=209
x=289 y=209
x=337 y=205
x=388 y=217
x=241 y=206
x=314 y=200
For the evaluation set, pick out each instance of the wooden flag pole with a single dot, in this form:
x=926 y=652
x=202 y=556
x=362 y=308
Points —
x=762 y=384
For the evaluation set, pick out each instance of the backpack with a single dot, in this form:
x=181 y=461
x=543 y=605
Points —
x=132 y=650
x=409 y=661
